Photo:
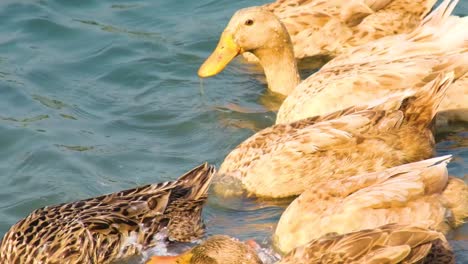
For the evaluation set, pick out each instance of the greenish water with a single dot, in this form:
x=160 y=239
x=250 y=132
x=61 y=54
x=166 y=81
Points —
x=102 y=95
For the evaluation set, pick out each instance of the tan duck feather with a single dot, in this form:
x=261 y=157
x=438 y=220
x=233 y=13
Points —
x=385 y=66
x=390 y=244
x=325 y=28
x=419 y=193
x=355 y=140
x=110 y=227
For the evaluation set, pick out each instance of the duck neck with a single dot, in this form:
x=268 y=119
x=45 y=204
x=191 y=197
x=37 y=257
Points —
x=280 y=68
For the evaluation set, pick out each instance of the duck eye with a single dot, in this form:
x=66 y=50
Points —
x=249 y=22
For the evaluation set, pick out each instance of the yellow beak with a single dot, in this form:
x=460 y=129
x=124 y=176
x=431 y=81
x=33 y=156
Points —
x=163 y=260
x=226 y=50
x=185 y=258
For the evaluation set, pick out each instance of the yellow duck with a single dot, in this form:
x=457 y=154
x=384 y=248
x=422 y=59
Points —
x=367 y=72
x=110 y=227
x=419 y=193
x=286 y=159
x=323 y=29
x=390 y=244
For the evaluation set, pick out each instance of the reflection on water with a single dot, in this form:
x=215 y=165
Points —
x=51 y=103
x=26 y=119
x=113 y=29
x=102 y=95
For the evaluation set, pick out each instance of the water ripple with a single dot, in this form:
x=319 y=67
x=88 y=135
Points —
x=102 y=95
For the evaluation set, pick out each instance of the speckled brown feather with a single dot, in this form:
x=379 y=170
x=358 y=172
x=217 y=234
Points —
x=385 y=66
x=221 y=249
x=389 y=244
x=110 y=227
x=393 y=131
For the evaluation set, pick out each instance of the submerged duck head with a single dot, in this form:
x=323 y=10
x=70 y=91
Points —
x=218 y=249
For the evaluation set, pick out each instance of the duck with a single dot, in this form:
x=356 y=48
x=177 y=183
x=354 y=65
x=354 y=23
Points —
x=284 y=160
x=322 y=30
x=217 y=249
x=419 y=193
x=391 y=244
x=387 y=65
x=360 y=74
x=111 y=227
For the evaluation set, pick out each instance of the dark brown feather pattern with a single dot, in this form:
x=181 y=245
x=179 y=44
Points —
x=109 y=227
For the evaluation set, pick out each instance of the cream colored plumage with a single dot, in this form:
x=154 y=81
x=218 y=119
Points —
x=357 y=76
x=385 y=66
x=419 y=193
x=286 y=159
x=110 y=227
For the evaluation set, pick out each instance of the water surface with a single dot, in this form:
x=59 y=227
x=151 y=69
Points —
x=102 y=95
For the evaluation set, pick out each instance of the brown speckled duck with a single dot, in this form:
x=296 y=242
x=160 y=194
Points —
x=110 y=227
x=390 y=244
x=286 y=159
x=218 y=249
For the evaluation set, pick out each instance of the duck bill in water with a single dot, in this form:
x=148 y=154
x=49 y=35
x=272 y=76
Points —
x=225 y=52
x=218 y=249
x=180 y=259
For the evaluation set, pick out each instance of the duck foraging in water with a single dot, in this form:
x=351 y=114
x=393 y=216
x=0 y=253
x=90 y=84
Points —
x=391 y=244
x=419 y=193
x=218 y=249
x=393 y=131
x=111 y=227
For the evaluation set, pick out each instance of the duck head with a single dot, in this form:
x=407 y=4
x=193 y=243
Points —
x=218 y=249
x=252 y=29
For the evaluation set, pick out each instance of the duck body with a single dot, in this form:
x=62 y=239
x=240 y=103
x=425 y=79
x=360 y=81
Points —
x=419 y=193
x=325 y=29
x=110 y=227
x=286 y=159
x=358 y=75
x=385 y=66
x=391 y=244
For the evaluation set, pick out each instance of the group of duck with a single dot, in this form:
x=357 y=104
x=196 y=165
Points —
x=353 y=142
